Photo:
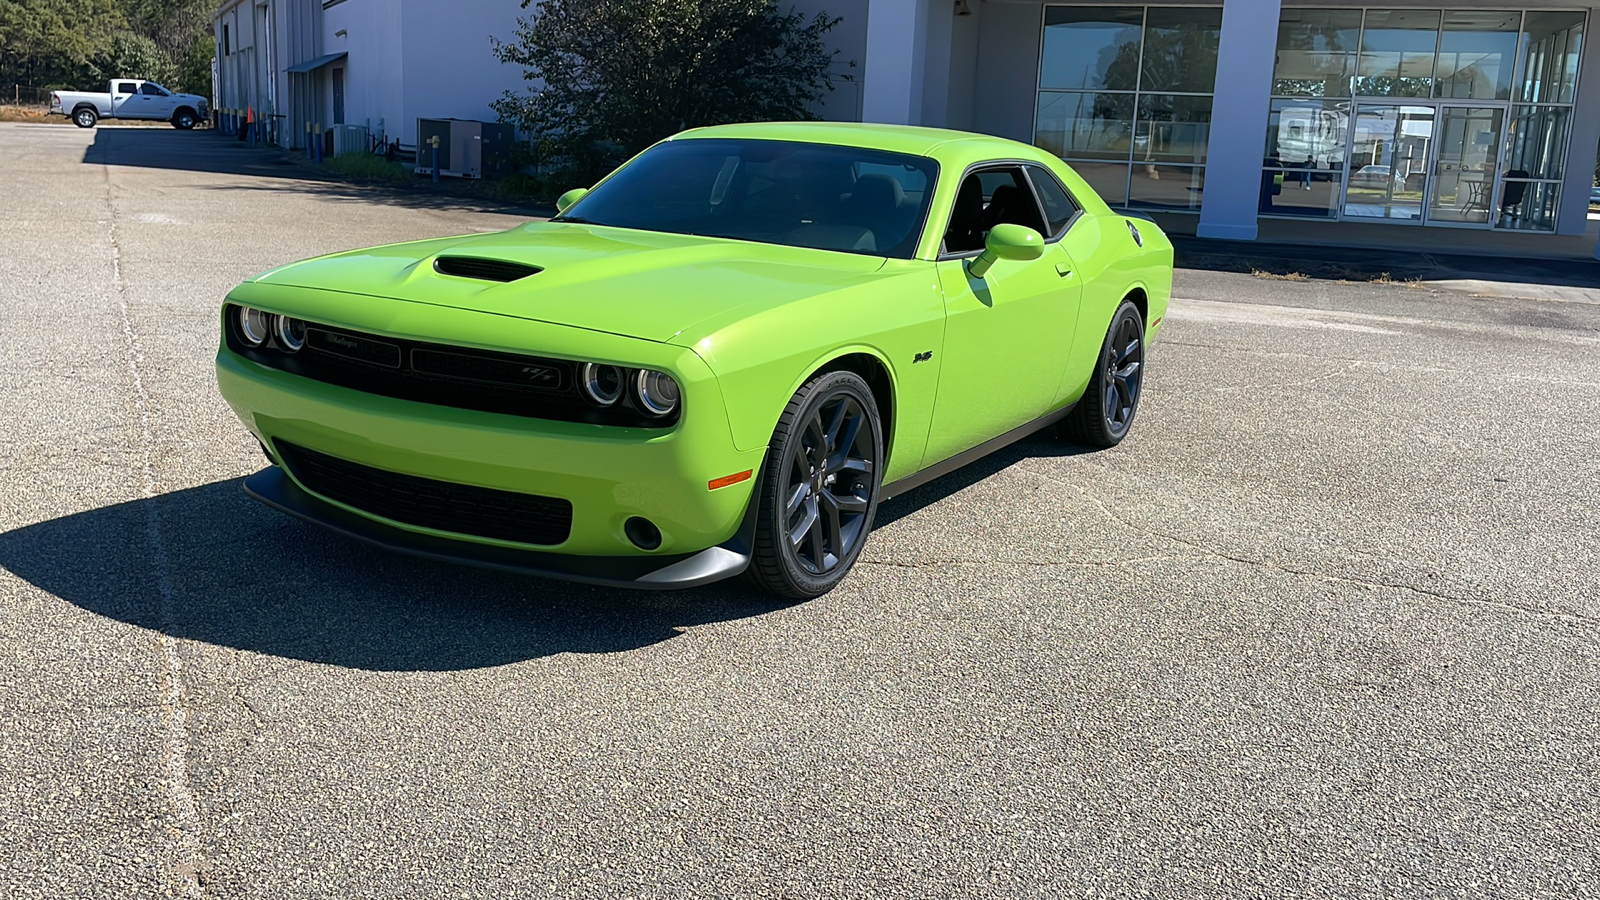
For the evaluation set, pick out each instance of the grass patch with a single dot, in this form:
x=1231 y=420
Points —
x=1280 y=276
x=367 y=168
x=13 y=113
x=1386 y=278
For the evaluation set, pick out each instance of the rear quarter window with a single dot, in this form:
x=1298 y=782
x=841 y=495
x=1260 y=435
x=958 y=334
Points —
x=1058 y=206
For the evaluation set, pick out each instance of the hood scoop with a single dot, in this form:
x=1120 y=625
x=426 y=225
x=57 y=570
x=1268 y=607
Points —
x=483 y=269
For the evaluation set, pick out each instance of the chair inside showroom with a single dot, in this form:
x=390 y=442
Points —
x=1512 y=196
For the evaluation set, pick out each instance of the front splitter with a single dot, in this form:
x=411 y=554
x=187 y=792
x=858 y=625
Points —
x=274 y=488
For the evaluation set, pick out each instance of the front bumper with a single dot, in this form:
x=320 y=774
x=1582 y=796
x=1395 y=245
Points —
x=608 y=474
x=274 y=488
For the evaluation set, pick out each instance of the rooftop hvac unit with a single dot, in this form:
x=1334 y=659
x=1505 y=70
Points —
x=350 y=139
x=467 y=149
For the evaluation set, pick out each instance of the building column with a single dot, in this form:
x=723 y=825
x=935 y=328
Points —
x=897 y=37
x=1245 y=60
x=1578 y=175
x=936 y=64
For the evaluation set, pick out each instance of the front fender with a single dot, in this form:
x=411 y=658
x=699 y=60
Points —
x=762 y=360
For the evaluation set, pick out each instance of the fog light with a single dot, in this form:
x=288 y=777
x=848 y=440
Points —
x=656 y=392
x=602 y=385
x=642 y=532
x=291 y=333
x=254 y=326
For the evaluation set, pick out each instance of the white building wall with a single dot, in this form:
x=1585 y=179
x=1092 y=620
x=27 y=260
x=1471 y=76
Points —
x=1007 y=79
x=961 y=106
x=241 y=81
x=448 y=69
x=373 y=88
x=897 y=52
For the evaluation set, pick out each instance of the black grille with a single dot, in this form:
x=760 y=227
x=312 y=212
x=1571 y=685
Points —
x=484 y=269
x=462 y=377
x=441 y=505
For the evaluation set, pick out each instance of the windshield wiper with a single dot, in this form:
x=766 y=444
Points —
x=576 y=220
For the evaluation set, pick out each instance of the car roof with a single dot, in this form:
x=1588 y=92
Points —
x=912 y=139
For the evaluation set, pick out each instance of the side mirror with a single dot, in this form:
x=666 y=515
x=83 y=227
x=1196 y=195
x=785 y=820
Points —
x=565 y=201
x=1006 y=242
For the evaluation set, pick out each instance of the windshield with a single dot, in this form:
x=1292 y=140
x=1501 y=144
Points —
x=777 y=192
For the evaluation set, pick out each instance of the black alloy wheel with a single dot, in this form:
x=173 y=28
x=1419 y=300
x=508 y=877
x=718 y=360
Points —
x=1104 y=415
x=819 y=489
x=85 y=117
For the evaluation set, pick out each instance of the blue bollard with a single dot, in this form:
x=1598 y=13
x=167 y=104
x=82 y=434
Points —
x=318 y=133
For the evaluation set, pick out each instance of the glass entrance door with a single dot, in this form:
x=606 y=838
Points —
x=1391 y=145
x=1468 y=152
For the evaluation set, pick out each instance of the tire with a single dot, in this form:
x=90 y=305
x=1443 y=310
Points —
x=822 y=481
x=184 y=119
x=1104 y=415
x=85 y=117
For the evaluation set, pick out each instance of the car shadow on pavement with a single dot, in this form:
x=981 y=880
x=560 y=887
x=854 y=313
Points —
x=209 y=564
x=1037 y=446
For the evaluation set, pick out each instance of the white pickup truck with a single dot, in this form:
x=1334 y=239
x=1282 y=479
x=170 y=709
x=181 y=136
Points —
x=130 y=98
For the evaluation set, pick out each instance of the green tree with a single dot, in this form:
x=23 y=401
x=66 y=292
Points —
x=181 y=29
x=47 y=43
x=615 y=76
x=136 y=56
x=79 y=43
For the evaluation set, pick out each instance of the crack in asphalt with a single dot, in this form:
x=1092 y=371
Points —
x=185 y=825
x=1565 y=618
x=1038 y=563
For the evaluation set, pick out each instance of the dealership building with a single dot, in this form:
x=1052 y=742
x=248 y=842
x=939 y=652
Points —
x=1256 y=117
x=1473 y=125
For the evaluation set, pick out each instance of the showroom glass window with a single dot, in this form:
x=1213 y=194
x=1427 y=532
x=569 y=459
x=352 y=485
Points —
x=1445 y=116
x=1125 y=96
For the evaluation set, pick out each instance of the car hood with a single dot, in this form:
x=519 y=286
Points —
x=635 y=283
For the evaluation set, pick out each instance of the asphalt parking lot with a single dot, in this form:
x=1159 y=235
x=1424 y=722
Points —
x=1324 y=626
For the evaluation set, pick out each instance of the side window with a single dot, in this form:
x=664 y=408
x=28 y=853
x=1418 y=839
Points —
x=986 y=198
x=127 y=87
x=1058 y=207
x=150 y=89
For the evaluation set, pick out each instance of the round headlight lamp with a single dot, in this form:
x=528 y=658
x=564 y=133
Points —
x=291 y=333
x=601 y=384
x=254 y=326
x=656 y=392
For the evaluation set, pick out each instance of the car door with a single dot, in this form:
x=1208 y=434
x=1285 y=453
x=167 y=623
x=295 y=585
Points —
x=157 y=102
x=125 y=99
x=1007 y=334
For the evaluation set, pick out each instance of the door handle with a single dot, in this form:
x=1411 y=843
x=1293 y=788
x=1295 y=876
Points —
x=1063 y=269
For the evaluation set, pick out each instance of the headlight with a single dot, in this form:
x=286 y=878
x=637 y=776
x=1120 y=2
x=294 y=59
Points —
x=254 y=326
x=601 y=384
x=656 y=392
x=291 y=333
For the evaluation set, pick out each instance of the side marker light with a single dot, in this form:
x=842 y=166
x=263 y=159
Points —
x=726 y=480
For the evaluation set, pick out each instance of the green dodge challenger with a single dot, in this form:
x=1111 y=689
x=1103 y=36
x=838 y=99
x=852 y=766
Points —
x=719 y=360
